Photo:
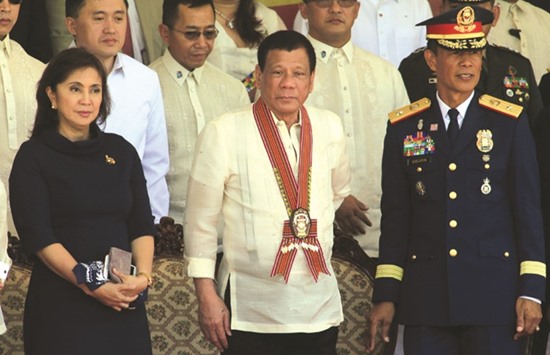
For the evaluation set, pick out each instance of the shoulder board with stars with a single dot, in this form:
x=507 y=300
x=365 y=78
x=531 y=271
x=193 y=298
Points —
x=410 y=110
x=495 y=104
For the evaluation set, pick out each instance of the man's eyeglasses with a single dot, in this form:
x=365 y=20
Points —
x=14 y=2
x=209 y=33
x=328 y=3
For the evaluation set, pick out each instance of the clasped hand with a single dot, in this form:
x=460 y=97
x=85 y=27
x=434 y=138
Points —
x=118 y=296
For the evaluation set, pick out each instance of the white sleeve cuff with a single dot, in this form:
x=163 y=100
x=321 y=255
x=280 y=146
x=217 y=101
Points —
x=531 y=299
x=201 y=268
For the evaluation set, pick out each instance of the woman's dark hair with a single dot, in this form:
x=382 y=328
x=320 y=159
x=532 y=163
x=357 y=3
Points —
x=247 y=24
x=57 y=71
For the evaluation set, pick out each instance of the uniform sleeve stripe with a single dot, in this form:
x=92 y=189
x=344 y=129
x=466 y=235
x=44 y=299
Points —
x=533 y=267
x=391 y=271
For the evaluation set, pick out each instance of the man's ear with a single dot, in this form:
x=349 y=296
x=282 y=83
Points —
x=302 y=7
x=496 y=15
x=312 y=80
x=430 y=58
x=163 y=31
x=257 y=76
x=70 y=23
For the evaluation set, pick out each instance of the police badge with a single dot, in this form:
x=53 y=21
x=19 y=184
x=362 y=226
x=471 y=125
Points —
x=484 y=140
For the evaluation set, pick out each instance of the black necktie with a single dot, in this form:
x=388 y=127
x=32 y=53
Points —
x=452 y=130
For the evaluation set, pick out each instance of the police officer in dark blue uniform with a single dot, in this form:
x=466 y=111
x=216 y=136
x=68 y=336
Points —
x=462 y=261
x=506 y=74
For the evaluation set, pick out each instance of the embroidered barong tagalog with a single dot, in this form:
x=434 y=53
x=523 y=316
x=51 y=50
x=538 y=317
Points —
x=418 y=144
x=299 y=231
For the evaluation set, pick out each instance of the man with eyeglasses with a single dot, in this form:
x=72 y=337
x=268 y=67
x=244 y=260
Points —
x=385 y=27
x=361 y=88
x=137 y=111
x=275 y=172
x=194 y=91
x=19 y=73
x=462 y=261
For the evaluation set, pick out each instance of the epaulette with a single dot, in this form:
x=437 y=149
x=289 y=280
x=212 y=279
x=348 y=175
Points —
x=495 y=104
x=410 y=110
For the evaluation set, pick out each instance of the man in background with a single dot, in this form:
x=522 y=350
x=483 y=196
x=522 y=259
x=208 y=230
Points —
x=19 y=73
x=137 y=112
x=361 y=88
x=194 y=91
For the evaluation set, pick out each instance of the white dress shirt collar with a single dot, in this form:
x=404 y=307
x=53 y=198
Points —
x=324 y=51
x=178 y=71
x=5 y=44
x=462 y=108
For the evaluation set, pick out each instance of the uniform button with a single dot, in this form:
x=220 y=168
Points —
x=413 y=257
x=487 y=166
x=452 y=167
x=506 y=254
x=452 y=195
x=348 y=110
x=453 y=223
x=349 y=134
x=419 y=169
x=453 y=253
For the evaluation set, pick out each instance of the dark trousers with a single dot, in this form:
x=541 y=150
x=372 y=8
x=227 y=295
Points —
x=462 y=340
x=249 y=343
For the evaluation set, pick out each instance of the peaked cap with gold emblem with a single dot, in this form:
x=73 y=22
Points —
x=460 y=28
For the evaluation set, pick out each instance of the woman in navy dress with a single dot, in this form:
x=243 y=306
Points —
x=76 y=192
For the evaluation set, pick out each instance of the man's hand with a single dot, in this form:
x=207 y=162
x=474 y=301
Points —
x=529 y=314
x=381 y=315
x=213 y=314
x=351 y=216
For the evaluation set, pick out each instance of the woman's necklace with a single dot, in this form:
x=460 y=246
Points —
x=229 y=22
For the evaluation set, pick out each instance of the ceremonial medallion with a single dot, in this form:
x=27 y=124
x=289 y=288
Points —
x=420 y=124
x=486 y=188
x=509 y=92
x=300 y=223
x=484 y=140
x=420 y=188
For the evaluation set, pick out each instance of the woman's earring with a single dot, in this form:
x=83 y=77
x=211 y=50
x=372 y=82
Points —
x=53 y=107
